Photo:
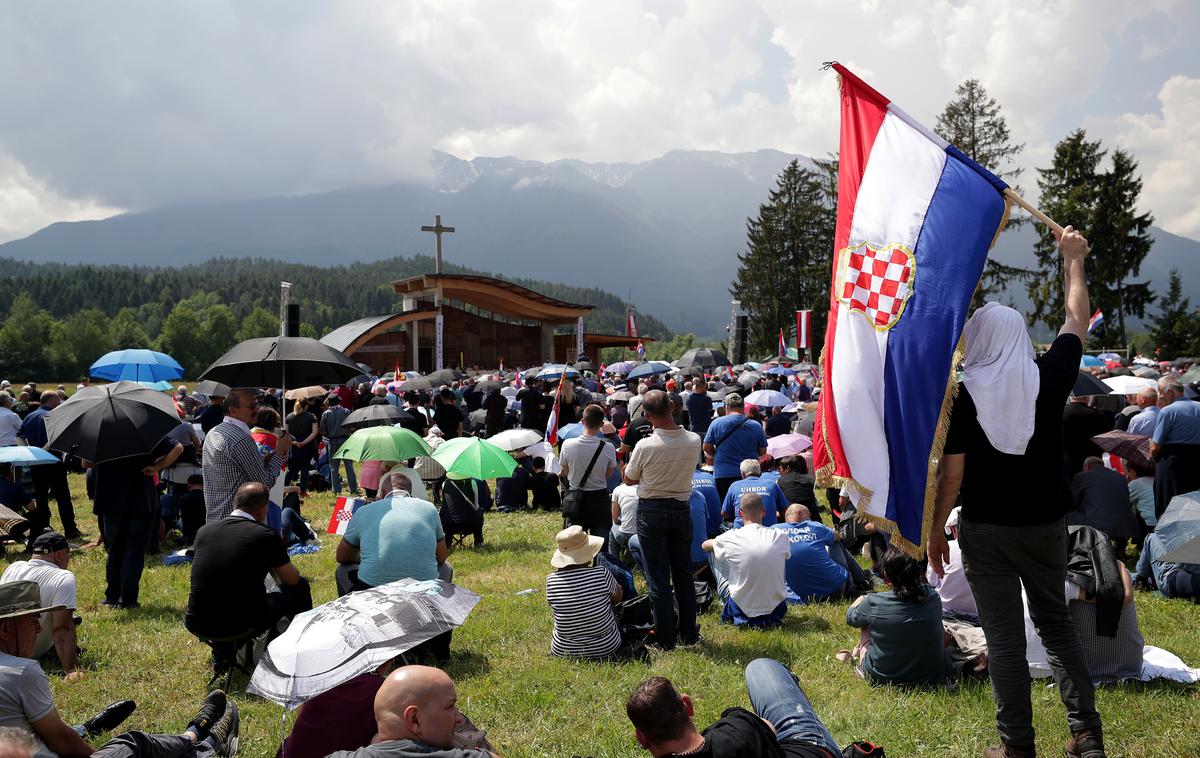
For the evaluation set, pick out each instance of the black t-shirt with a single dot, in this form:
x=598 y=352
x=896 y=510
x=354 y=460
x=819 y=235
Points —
x=638 y=429
x=232 y=558
x=447 y=417
x=1019 y=490
x=210 y=417
x=531 y=400
x=300 y=425
x=741 y=734
x=798 y=488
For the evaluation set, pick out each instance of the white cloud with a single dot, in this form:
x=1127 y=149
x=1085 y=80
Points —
x=27 y=204
x=1165 y=144
x=137 y=106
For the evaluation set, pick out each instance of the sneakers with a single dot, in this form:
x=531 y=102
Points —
x=224 y=733
x=110 y=718
x=210 y=712
x=1086 y=744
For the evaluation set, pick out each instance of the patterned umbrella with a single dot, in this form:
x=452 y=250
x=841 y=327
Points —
x=1134 y=448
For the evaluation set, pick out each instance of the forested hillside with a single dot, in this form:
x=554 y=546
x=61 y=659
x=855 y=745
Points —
x=58 y=318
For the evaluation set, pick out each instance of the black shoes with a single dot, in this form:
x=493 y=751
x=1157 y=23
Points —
x=109 y=718
x=224 y=733
x=211 y=710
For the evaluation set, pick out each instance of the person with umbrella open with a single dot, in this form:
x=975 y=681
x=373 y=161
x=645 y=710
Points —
x=47 y=479
x=231 y=458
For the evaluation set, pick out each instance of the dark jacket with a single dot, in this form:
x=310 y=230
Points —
x=1092 y=564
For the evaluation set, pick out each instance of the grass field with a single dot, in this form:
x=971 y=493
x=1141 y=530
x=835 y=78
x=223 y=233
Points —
x=533 y=705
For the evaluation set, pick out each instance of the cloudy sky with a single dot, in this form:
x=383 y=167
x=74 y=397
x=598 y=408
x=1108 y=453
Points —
x=120 y=106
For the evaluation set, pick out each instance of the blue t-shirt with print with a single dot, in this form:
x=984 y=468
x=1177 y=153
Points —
x=738 y=445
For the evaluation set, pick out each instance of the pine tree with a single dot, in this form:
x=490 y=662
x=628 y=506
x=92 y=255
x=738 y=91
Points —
x=1174 y=329
x=787 y=263
x=973 y=123
x=1102 y=205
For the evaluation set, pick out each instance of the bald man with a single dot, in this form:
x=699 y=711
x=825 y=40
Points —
x=416 y=712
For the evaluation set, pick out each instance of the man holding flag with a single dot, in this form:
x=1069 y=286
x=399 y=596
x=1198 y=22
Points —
x=916 y=218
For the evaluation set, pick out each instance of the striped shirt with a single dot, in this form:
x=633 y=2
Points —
x=231 y=459
x=585 y=624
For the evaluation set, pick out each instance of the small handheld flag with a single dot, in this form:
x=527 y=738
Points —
x=518 y=382
x=782 y=346
x=1096 y=320
x=552 y=422
x=343 y=509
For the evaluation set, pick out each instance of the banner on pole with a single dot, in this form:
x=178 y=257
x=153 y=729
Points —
x=803 y=330
x=579 y=336
x=438 y=322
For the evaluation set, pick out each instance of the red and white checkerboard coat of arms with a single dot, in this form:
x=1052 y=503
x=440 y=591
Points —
x=876 y=280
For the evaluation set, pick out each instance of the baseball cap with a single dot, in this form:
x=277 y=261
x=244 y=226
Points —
x=733 y=399
x=50 y=542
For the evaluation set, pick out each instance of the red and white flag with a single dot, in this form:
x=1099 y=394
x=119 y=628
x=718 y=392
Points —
x=343 y=509
x=630 y=325
x=552 y=422
x=782 y=346
x=803 y=330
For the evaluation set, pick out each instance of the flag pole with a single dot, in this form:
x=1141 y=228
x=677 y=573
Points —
x=1013 y=196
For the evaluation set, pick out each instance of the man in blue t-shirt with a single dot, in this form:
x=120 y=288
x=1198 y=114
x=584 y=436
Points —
x=773 y=499
x=732 y=439
x=704 y=483
x=398 y=537
x=1175 y=444
x=699 y=407
x=812 y=573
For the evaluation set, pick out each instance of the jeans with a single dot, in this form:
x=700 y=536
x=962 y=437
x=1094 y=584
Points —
x=49 y=480
x=126 y=536
x=335 y=474
x=618 y=541
x=664 y=530
x=142 y=745
x=1172 y=579
x=345 y=577
x=998 y=561
x=595 y=513
x=776 y=696
x=297 y=465
x=635 y=551
x=293 y=529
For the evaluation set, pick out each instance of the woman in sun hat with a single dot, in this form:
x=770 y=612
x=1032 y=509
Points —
x=581 y=597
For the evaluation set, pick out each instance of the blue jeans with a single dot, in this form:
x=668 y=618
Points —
x=335 y=474
x=618 y=541
x=664 y=531
x=1171 y=579
x=293 y=529
x=776 y=696
x=126 y=536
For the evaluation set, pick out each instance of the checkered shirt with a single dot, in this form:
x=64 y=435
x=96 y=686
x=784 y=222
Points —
x=231 y=459
x=877 y=282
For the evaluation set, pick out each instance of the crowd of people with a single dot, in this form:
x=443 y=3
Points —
x=666 y=481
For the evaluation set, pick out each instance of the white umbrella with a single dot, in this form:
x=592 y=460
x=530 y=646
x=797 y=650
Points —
x=515 y=439
x=22 y=455
x=546 y=452
x=768 y=399
x=354 y=634
x=1128 y=385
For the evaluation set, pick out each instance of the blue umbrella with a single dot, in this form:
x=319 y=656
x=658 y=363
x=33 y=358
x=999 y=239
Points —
x=21 y=455
x=136 y=365
x=1089 y=361
x=160 y=386
x=555 y=371
x=570 y=431
x=781 y=371
x=649 y=369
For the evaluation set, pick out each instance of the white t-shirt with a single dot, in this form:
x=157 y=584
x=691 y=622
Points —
x=57 y=587
x=953 y=588
x=627 y=497
x=753 y=558
x=10 y=424
x=577 y=454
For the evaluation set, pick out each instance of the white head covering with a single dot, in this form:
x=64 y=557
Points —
x=1001 y=376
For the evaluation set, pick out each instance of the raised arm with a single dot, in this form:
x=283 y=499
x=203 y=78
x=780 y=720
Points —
x=1074 y=249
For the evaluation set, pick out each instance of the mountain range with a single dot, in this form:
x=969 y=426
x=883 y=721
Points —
x=665 y=232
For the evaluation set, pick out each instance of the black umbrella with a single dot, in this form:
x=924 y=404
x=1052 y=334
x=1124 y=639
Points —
x=416 y=384
x=488 y=385
x=442 y=376
x=1086 y=384
x=691 y=371
x=584 y=366
x=375 y=415
x=704 y=357
x=281 y=362
x=111 y=421
x=212 y=389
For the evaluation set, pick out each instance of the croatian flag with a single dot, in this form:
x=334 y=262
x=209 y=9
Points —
x=915 y=220
x=1096 y=320
x=641 y=349
x=518 y=382
x=782 y=345
x=343 y=509
x=552 y=422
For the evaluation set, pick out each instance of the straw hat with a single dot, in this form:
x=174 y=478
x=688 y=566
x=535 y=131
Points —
x=575 y=546
x=22 y=599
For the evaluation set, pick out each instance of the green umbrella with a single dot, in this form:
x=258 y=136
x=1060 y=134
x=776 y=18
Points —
x=383 y=443
x=474 y=458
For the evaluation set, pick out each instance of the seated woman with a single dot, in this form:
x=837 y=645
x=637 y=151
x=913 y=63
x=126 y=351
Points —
x=901 y=640
x=464 y=502
x=1100 y=601
x=581 y=597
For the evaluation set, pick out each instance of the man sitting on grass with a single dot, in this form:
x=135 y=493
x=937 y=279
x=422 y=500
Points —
x=782 y=724
x=819 y=567
x=47 y=567
x=752 y=481
x=749 y=566
x=416 y=712
x=27 y=703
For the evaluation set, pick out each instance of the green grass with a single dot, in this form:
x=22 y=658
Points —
x=531 y=704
